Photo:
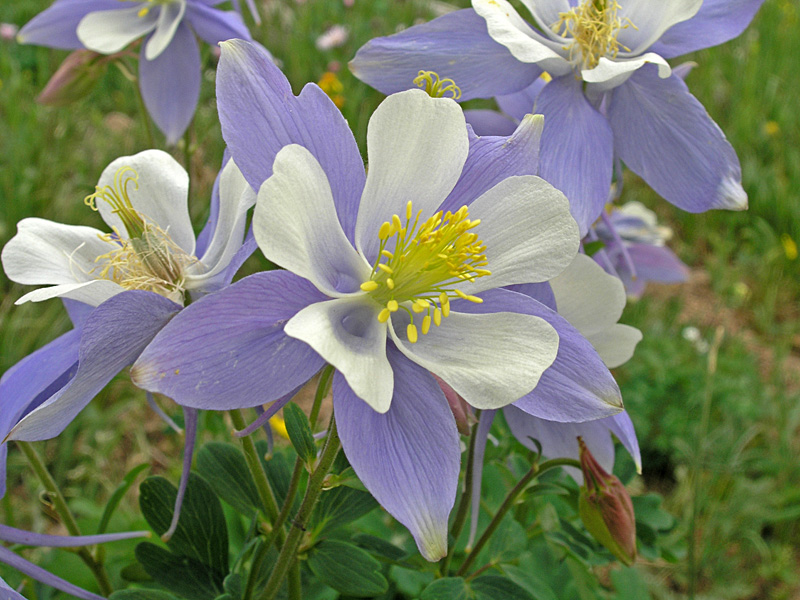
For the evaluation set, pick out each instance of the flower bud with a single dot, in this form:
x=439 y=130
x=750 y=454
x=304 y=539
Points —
x=461 y=410
x=606 y=508
x=74 y=79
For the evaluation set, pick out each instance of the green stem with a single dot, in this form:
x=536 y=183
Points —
x=151 y=140
x=254 y=464
x=463 y=505
x=322 y=391
x=313 y=490
x=511 y=498
x=295 y=585
x=60 y=504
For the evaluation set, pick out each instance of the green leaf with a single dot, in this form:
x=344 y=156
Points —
x=234 y=586
x=379 y=546
x=648 y=511
x=223 y=466
x=347 y=568
x=300 y=433
x=493 y=587
x=447 y=588
x=134 y=572
x=200 y=542
x=119 y=493
x=531 y=581
x=278 y=472
x=340 y=506
x=185 y=576
x=591 y=248
x=508 y=541
x=141 y=594
x=630 y=584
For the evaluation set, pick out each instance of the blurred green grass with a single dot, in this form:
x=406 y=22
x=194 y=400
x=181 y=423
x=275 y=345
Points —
x=745 y=459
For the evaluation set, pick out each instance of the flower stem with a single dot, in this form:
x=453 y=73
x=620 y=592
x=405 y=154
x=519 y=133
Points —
x=463 y=505
x=313 y=490
x=322 y=390
x=254 y=464
x=148 y=127
x=60 y=504
x=511 y=498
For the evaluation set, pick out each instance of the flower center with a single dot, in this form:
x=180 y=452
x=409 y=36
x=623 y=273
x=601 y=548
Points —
x=436 y=87
x=147 y=259
x=427 y=261
x=594 y=26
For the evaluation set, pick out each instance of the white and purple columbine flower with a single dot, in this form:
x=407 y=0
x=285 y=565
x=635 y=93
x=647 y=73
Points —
x=385 y=277
x=120 y=287
x=169 y=65
x=612 y=94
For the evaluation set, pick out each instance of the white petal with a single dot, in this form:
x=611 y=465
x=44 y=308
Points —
x=616 y=344
x=588 y=297
x=490 y=359
x=161 y=194
x=235 y=199
x=651 y=20
x=417 y=147
x=529 y=233
x=169 y=18
x=546 y=12
x=609 y=74
x=347 y=334
x=45 y=252
x=296 y=226
x=109 y=31
x=93 y=293
x=506 y=27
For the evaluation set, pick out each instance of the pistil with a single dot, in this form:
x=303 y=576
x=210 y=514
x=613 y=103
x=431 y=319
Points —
x=594 y=26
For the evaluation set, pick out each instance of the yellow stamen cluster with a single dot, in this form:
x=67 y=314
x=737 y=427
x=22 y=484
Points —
x=333 y=87
x=595 y=26
x=145 y=259
x=428 y=260
x=436 y=87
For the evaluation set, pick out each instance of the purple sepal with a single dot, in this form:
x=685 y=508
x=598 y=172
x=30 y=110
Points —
x=409 y=457
x=260 y=115
x=113 y=336
x=521 y=103
x=456 y=46
x=716 y=22
x=32 y=381
x=215 y=26
x=493 y=159
x=39 y=574
x=577 y=149
x=190 y=421
x=207 y=233
x=489 y=122
x=265 y=415
x=170 y=83
x=665 y=136
x=219 y=353
x=28 y=538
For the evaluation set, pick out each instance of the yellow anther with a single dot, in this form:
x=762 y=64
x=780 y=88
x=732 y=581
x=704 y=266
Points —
x=392 y=305
x=411 y=331
x=483 y=272
x=385 y=232
x=385 y=268
x=370 y=286
x=387 y=254
x=143 y=12
x=384 y=315
x=594 y=26
x=437 y=317
x=443 y=299
x=390 y=283
x=417 y=308
x=409 y=210
x=445 y=310
x=426 y=324
x=396 y=223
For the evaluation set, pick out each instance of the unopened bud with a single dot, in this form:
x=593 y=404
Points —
x=461 y=410
x=606 y=508
x=74 y=79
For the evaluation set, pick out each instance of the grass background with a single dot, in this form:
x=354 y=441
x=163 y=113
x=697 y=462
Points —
x=720 y=443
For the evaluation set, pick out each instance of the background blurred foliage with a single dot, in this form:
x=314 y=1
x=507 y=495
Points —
x=730 y=480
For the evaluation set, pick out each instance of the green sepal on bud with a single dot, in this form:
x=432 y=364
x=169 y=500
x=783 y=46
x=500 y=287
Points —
x=606 y=509
x=74 y=78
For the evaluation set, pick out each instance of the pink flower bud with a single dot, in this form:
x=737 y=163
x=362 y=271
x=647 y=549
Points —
x=461 y=410
x=606 y=508
x=74 y=78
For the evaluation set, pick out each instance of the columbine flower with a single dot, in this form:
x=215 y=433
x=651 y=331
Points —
x=169 y=66
x=136 y=277
x=383 y=275
x=634 y=248
x=611 y=96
